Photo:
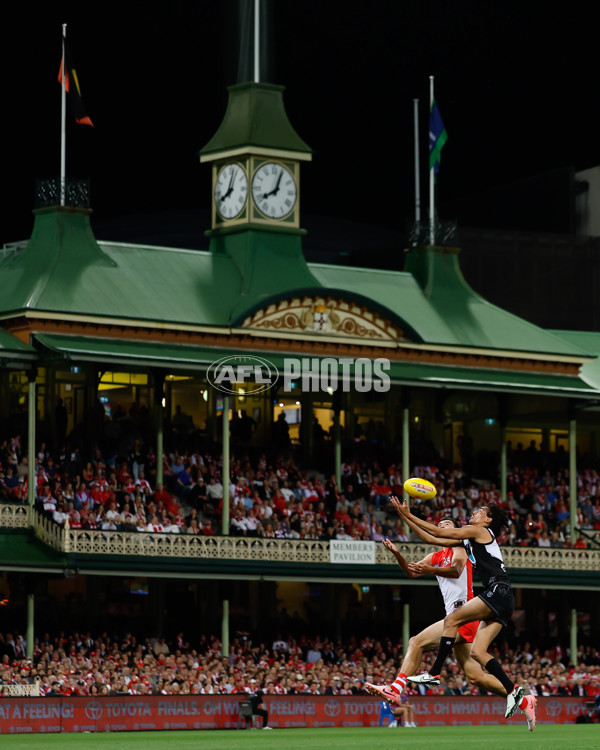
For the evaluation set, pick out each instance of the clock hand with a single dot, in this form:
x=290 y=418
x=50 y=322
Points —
x=230 y=186
x=276 y=188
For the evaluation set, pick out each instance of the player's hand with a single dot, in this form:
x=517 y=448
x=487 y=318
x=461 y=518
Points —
x=388 y=544
x=422 y=568
x=399 y=506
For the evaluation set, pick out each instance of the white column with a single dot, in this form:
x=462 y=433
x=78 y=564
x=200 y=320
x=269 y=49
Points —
x=572 y=478
x=574 y=636
x=30 y=622
x=405 y=626
x=226 y=467
x=225 y=628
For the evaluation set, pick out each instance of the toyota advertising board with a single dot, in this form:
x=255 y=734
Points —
x=131 y=713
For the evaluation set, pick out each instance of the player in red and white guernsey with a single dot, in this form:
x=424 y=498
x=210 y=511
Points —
x=453 y=571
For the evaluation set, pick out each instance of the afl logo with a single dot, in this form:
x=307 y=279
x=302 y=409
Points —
x=252 y=374
x=93 y=710
x=332 y=708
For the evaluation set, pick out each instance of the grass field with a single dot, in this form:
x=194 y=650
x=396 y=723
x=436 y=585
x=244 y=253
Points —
x=545 y=737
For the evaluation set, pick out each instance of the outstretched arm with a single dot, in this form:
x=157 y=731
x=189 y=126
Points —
x=403 y=511
x=429 y=538
x=403 y=562
x=425 y=567
x=441 y=536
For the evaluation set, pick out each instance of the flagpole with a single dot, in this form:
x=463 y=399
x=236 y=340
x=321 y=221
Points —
x=63 y=120
x=256 y=41
x=431 y=179
x=417 y=165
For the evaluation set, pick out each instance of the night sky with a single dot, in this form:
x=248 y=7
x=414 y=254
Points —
x=516 y=85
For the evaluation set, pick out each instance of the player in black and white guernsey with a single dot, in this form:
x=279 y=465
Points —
x=488 y=559
x=453 y=571
x=493 y=607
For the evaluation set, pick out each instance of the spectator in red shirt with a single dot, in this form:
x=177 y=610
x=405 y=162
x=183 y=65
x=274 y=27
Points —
x=161 y=494
x=380 y=491
x=279 y=503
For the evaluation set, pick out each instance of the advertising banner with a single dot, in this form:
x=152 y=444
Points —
x=131 y=713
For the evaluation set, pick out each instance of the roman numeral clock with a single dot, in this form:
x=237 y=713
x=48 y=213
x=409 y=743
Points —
x=230 y=193
x=255 y=190
x=255 y=157
x=274 y=190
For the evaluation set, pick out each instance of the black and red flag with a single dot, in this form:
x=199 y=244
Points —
x=72 y=87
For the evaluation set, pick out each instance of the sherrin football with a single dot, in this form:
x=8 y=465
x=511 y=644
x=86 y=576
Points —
x=422 y=489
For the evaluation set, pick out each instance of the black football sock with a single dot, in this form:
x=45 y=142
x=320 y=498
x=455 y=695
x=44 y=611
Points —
x=444 y=650
x=494 y=668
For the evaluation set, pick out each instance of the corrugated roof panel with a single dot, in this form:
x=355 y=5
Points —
x=450 y=316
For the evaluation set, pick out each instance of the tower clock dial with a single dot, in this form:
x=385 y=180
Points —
x=274 y=190
x=231 y=191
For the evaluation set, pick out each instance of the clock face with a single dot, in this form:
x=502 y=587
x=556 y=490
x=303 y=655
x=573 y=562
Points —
x=274 y=190
x=231 y=191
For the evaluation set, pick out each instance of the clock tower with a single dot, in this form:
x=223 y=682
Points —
x=255 y=156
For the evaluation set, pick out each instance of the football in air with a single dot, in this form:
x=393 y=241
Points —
x=422 y=489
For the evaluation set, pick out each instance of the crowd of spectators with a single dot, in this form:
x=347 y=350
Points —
x=115 y=488
x=82 y=664
x=117 y=491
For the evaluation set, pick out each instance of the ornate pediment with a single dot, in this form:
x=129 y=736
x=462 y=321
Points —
x=324 y=316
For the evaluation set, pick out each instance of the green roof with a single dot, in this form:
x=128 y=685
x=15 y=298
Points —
x=590 y=342
x=13 y=351
x=255 y=116
x=480 y=378
x=446 y=311
x=128 y=352
x=65 y=271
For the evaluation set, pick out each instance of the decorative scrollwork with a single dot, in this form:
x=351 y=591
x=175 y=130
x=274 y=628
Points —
x=444 y=233
x=62 y=192
x=14 y=516
x=286 y=321
x=324 y=315
x=353 y=328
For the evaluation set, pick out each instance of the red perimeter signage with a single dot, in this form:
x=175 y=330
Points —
x=130 y=713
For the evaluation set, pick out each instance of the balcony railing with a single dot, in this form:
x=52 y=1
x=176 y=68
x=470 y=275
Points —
x=55 y=191
x=304 y=551
x=422 y=233
x=14 y=516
